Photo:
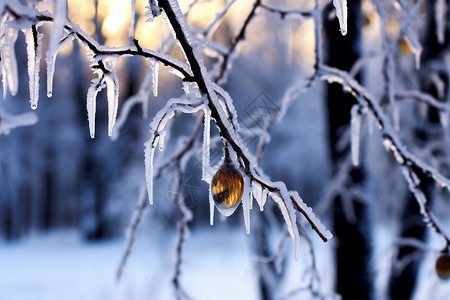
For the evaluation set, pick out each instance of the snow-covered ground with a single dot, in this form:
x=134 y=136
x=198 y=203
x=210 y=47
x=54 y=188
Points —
x=60 y=266
x=217 y=264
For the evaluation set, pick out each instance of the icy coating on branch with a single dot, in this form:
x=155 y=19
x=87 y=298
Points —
x=285 y=200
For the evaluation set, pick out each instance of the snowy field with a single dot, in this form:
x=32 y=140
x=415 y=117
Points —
x=60 y=266
x=218 y=264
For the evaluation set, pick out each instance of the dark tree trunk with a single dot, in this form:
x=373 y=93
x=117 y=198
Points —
x=402 y=284
x=352 y=238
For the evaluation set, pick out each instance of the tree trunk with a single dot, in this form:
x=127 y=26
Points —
x=352 y=238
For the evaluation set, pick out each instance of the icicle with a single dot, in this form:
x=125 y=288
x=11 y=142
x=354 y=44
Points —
x=176 y=73
x=211 y=207
x=264 y=198
x=132 y=19
x=341 y=13
x=443 y=118
x=415 y=46
x=355 y=129
x=162 y=136
x=186 y=87
x=370 y=122
x=91 y=99
x=4 y=82
x=395 y=106
x=149 y=155
x=112 y=86
x=288 y=40
x=259 y=195
x=246 y=199
x=33 y=40
x=9 y=59
x=155 y=67
x=59 y=19
x=440 y=16
x=206 y=147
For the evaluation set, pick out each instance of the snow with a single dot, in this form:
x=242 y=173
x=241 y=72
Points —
x=61 y=266
x=341 y=14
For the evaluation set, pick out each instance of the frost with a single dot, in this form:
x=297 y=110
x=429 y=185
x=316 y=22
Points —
x=9 y=58
x=59 y=19
x=153 y=10
x=157 y=125
x=33 y=40
x=186 y=87
x=341 y=13
x=440 y=15
x=155 y=68
x=355 y=129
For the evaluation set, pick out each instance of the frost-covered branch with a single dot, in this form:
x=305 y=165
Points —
x=136 y=220
x=287 y=201
x=182 y=235
x=411 y=164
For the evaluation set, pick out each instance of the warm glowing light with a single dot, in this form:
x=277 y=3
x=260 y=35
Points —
x=114 y=22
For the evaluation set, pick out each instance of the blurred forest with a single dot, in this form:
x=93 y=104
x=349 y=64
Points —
x=378 y=182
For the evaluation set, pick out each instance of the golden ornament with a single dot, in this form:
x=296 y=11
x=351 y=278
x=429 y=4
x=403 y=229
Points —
x=227 y=189
x=442 y=265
